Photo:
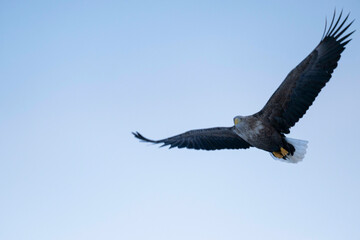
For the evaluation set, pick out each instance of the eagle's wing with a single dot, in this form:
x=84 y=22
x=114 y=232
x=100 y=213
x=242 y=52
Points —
x=299 y=89
x=206 y=139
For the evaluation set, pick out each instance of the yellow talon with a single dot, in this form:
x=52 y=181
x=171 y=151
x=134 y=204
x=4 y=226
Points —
x=277 y=154
x=283 y=152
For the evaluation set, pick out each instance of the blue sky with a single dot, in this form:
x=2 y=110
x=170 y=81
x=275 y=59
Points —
x=79 y=76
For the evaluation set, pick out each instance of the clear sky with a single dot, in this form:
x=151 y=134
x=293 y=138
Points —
x=78 y=77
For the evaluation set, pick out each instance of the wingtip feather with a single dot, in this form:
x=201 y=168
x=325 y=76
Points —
x=142 y=138
x=332 y=21
x=335 y=31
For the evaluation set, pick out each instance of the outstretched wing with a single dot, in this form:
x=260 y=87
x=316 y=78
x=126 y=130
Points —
x=205 y=139
x=299 y=89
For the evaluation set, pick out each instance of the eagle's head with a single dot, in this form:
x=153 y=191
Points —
x=238 y=120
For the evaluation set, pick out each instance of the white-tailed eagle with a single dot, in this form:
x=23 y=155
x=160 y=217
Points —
x=266 y=128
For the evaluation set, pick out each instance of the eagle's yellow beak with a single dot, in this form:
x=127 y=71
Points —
x=236 y=121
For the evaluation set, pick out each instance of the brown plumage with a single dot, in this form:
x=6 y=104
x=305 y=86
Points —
x=300 y=88
x=205 y=139
x=266 y=128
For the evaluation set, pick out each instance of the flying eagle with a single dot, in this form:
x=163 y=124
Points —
x=266 y=128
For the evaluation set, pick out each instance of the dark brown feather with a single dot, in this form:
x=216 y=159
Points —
x=302 y=85
x=205 y=139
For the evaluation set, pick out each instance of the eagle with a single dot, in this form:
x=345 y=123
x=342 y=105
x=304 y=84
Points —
x=266 y=129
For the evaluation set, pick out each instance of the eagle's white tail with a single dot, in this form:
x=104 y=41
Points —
x=300 y=150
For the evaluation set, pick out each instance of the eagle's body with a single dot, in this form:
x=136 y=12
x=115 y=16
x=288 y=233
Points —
x=259 y=133
x=266 y=129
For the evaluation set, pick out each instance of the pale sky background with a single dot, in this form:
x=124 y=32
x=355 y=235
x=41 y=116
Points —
x=78 y=77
